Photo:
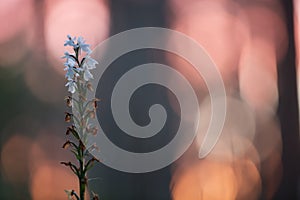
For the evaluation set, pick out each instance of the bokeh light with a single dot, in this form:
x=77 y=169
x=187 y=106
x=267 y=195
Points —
x=215 y=18
x=238 y=131
x=17 y=33
x=248 y=179
x=45 y=83
x=81 y=18
x=45 y=153
x=47 y=182
x=252 y=42
x=205 y=180
x=14 y=158
x=258 y=78
x=19 y=19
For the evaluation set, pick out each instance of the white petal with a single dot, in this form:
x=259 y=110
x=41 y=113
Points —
x=87 y=75
x=90 y=62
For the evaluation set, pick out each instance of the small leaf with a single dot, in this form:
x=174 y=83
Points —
x=76 y=154
x=74 y=169
x=90 y=164
x=71 y=129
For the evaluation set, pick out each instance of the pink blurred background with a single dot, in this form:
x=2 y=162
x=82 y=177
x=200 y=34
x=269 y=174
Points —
x=252 y=43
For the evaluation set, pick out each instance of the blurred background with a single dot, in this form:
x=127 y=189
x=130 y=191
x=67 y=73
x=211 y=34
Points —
x=254 y=43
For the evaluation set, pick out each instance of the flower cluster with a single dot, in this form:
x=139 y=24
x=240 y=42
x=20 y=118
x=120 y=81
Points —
x=78 y=76
x=74 y=68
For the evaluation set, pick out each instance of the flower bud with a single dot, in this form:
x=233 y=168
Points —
x=68 y=100
x=66 y=144
x=90 y=87
x=68 y=117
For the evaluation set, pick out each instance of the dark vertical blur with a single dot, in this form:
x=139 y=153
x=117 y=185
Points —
x=288 y=113
x=116 y=185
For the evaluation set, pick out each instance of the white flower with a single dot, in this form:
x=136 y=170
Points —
x=87 y=75
x=89 y=63
x=68 y=56
x=70 y=68
x=81 y=44
x=73 y=69
x=71 y=73
x=70 y=62
x=72 y=86
x=70 y=41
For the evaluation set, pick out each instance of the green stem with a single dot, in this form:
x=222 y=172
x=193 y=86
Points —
x=82 y=180
x=81 y=175
x=80 y=103
x=82 y=191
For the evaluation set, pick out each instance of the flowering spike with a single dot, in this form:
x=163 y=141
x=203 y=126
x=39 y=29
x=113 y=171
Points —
x=78 y=75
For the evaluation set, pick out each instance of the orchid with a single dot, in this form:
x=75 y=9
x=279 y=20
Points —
x=87 y=75
x=78 y=76
x=69 y=56
x=72 y=86
x=70 y=41
x=89 y=64
x=71 y=69
x=70 y=62
x=74 y=68
x=71 y=73
x=81 y=44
